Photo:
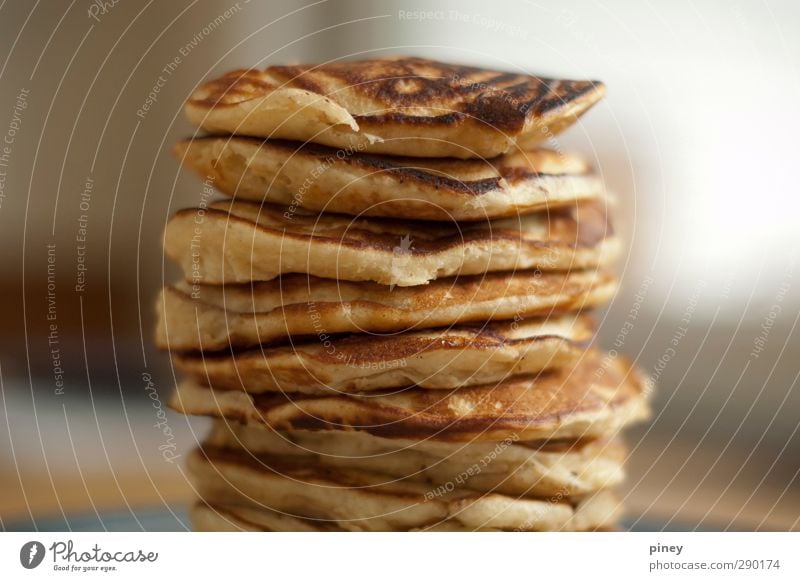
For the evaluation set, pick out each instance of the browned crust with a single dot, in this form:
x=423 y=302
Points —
x=501 y=100
x=573 y=292
x=360 y=348
x=396 y=423
x=514 y=406
x=443 y=291
x=583 y=225
x=373 y=349
x=401 y=167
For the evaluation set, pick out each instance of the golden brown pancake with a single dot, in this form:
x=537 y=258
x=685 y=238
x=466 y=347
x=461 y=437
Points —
x=318 y=178
x=241 y=517
x=204 y=317
x=436 y=359
x=233 y=242
x=237 y=517
x=549 y=468
x=595 y=399
x=358 y=501
x=400 y=106
x=248 y=517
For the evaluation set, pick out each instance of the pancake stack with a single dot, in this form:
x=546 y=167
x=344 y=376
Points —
x=389 y=314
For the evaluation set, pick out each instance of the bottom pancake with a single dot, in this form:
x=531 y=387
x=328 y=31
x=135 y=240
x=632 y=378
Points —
x=358 y=501
x=565 y=468
x=242 y=518
x=239 y=517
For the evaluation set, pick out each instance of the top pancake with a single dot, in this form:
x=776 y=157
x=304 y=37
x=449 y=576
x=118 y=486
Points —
x=400 y=106
x=321 y=178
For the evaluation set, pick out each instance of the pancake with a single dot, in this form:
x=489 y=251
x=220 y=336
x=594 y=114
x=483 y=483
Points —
x=358 y=501
x=233 y=242
x=399 y=105
x=437 y=359
x=250 y=518
x=549 y=468
x=595 y=399
x=204 y=317
x=240 y=517
x=317 y=178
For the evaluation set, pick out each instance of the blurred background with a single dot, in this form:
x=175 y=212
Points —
x=698 y=138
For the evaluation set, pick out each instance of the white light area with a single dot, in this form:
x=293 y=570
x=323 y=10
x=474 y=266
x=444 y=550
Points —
x=733 y=184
